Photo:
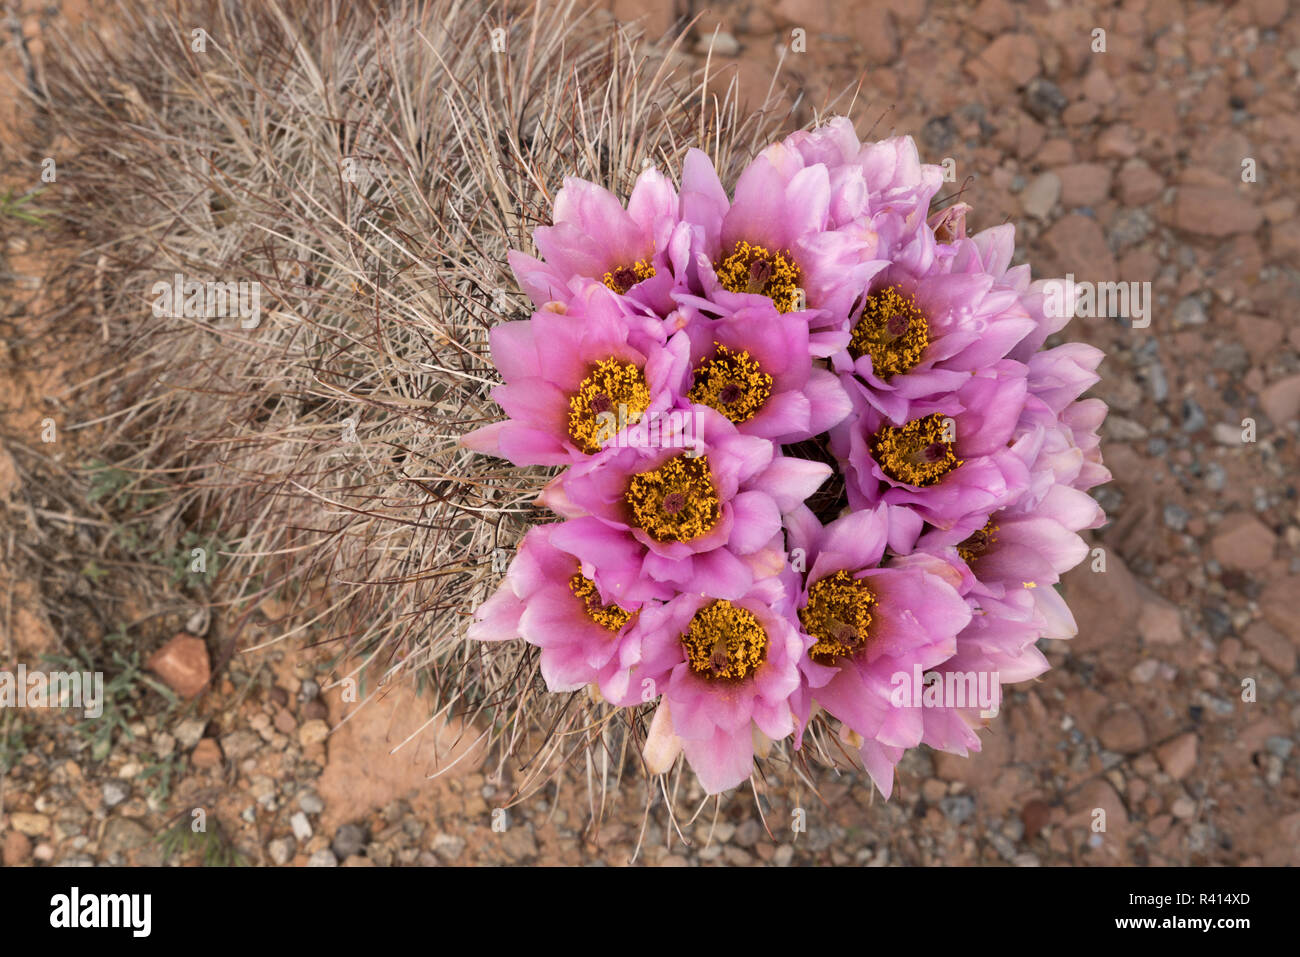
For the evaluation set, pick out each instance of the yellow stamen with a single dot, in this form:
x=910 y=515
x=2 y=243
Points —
x=610 y=617
x=755 y=269
x=838 y=615
x=622 y=278
x=732 y=383
x=893 y=331
x=917 y=453
x=977 y=543
x=724 y=642
x=675 y=502
x=612 y=389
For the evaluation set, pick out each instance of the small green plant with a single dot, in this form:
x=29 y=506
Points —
x=125 y=679
x=215 y=849
x=16 y=207
x=12 y=745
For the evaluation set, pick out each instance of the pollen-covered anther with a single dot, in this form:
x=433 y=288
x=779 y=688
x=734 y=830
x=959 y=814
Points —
x=893 y=331
x=732 y=383
x=724 y=642
x=758 y=270
x=919 y=453
x=622 y=278
x=675 y=502
x=610 y=617
x=613 y=395
x=978 y=542
x=838 y=615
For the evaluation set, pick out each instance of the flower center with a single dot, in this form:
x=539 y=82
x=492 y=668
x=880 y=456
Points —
x=977 y=543
x=918 y=453
x=838 y=615
x=893 y=331
x=610 y=617
x=675 y=502
x=755 y=269
x=622 y=278
x=613 y=396
x=732 y=383
x=724 y=642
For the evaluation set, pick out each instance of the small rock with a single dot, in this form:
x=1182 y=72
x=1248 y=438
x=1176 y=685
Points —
x=1035 y=815
x=189 y=732
x=1144 y=671
x=310 y=802
x=1190 y=312
x=1281 y=400
x=349 y=840
x=207 y=754
x=1279 y=746
x=1160 y=622
x=1183 y=808
x=1176 y=516
x=115 y=792
x=1039 y=198
x=313 y=732
x=238 y=745
x=1124 y=731
x=957 y=807
x=1245 y=544
x=33 y=825
x=301 y=826
x=448 y=846
x=281 y=850
x=182 y=664
x=16 y=849
x=1084 y=184
x=323 y=858
x=1178 y=756
x=1044 y=99
x=122 y=834
x=1214 y=211
x=1272 y=646
x=783 y=856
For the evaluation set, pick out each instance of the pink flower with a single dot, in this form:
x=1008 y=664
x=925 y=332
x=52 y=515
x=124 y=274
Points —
x=704 y=516
x=726 y=670
x=640 y=252
x=552 y=600
x=869 y=624
x=949 y=460
x=753 y=366
x=574 y=381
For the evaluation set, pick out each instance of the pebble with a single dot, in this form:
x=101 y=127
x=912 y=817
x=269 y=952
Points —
x=281 y=850
x=17 y=848
x=323 y=858
x=1279 y=746
x=115 y=792
x=783 y=856
x=301 y=826
x=348 y=840
x=313 y=732
x=957 y=807
x=1176 y=517
x=189 y=732
x=1190 y=312
x=1178 y=756
x=1039 y=198
x=448 y=846
x=310 y=802
x=32 y=825
x=1044 y=99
